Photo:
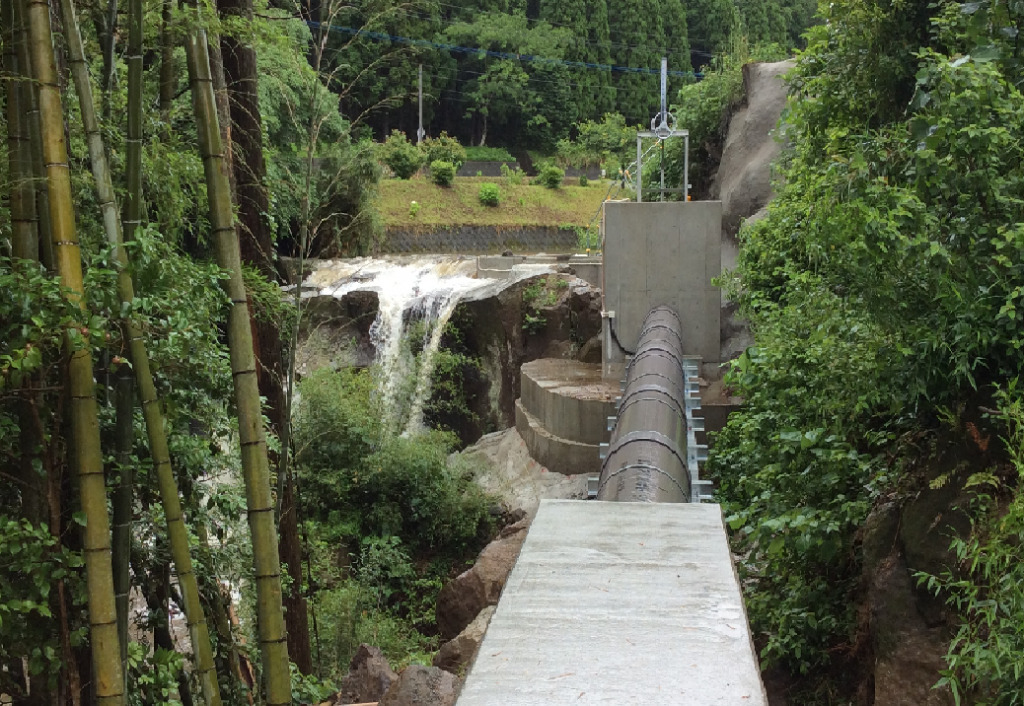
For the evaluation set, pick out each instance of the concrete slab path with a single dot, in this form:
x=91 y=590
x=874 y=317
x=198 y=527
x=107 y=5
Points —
x=619 y=603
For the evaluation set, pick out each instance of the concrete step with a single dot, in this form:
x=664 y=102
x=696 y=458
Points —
x=554 y=452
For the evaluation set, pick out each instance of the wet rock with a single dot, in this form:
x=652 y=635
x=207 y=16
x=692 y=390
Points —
x=369 y=677
x=336 y=332
x=458 y=653
x=423 y=686
x=462 y=598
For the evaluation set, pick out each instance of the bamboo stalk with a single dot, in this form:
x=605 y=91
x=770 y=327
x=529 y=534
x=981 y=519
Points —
x=24 y=221
x=30 y=94
x=255 y=465
x=151 y=411
x=107 y=675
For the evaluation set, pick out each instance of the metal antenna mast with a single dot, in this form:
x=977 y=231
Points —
x=662 y=128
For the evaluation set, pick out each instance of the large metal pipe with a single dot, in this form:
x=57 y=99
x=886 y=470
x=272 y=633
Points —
x=647 y=460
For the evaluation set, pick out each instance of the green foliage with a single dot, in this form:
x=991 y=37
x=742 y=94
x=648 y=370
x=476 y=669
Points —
x=310 y=689
x=306 y=135
x=610 y=142
x=402 y=157
x=551 y=177
x=34 y=314
x=986 y=590
x=443 y=149
x=490 y=194
x=153 y=677
x=488 y=154
x=885 y=283
x=542 y=293
x=583 y=180
x=442 y=173
x=704 y=108
x=367 y=486
x=33 y=565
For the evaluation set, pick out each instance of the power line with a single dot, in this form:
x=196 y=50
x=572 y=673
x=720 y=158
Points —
x=381 y=36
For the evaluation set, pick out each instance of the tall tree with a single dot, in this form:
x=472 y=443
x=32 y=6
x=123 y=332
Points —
x=600 y=43
x=24 y=225
x=677 y=43
x=638 y=35
x=255 y=464
x=711 y=25
x=573 y=16
x=106 y=659
x=257 y=248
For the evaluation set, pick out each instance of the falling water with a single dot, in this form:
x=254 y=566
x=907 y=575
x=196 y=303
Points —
x=411 y=292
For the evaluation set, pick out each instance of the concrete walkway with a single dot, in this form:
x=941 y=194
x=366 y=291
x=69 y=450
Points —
x=619 y=603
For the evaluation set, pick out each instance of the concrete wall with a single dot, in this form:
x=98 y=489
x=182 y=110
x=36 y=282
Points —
x=663 y=253
x=479 y=239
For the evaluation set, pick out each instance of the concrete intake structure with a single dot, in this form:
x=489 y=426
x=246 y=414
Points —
x=647 y=454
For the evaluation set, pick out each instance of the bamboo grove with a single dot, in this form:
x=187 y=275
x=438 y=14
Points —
x=101 y=268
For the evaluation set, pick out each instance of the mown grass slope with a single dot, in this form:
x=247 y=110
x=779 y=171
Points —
x=520 y=205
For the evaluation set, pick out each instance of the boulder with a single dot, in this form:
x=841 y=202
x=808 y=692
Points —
x=462 y=598
x=423 y=686
x=369 y=677
x=458 y=653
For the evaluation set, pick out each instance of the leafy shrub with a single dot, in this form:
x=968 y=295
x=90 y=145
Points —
x=401 y=156
x=442 y=173
x=488 y=154
x=583 y=180
x=551 y=177
x=514 y=176
x=987 y=590
x=490 y=194
x=407 y=488
x=443 y=149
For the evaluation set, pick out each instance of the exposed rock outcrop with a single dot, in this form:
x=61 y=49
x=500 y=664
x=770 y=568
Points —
x=743 y=181
x=336 y=332
x=369 y=677
x=508 y=471
x=462 y=598
x=423 y=686
x=906 y=623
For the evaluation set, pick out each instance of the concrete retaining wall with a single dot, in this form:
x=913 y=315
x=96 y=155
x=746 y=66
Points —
x=479 y=239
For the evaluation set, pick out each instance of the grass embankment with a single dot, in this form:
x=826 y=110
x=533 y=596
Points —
x=521 y=204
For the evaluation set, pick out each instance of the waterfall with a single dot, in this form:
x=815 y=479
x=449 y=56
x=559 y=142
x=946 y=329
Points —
x=413 y=294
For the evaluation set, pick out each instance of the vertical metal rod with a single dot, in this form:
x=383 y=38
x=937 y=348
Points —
x=686 y=167
x=661 y=160
x=419 y=131
x=664 y=93
x=639 y=173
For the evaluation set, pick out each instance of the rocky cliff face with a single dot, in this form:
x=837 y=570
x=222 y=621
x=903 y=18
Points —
x=743 y=182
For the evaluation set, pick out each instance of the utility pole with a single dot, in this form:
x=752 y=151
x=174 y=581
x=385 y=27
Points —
x=420 y=133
